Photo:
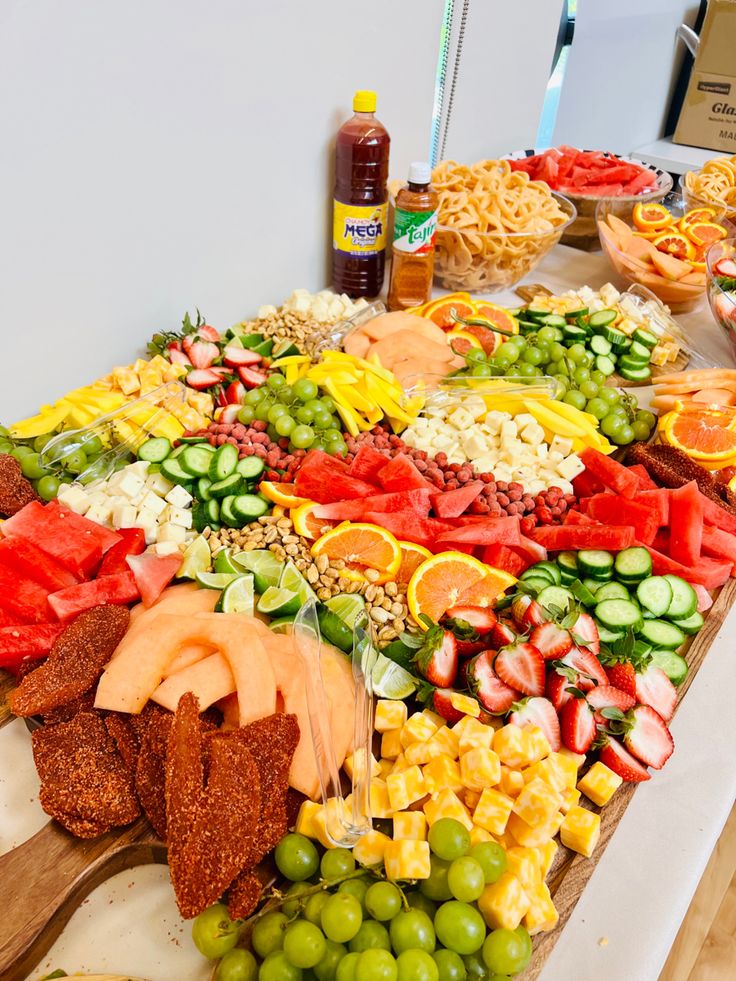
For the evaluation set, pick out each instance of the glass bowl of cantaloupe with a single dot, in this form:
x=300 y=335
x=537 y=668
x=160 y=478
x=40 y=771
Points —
x=661 y=245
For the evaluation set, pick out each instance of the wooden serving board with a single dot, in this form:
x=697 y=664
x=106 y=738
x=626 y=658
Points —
x=44 y=880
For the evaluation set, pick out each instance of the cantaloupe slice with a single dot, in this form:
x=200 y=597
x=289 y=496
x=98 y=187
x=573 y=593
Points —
x=622 y=231
x=184 y=598
x=209 y=679
x=390 y=323
x=640 y=248
x=410 y=368
x=229 y=708
x=255 y=679
x=669 y=266
x=694 y=278
x=608 y=235
x=357 y=344
x=187 y=655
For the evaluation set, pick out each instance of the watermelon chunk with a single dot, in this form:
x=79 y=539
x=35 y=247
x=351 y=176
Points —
x=401 y=474
x=502 y=557
x=645 y=480
x=133 y=542
x=586 y=484
x=22 y=597
x=714 y=514
x=686 y=523
x=610 y=509
x=560 y=538
x=409 y=528
x=153 y=573
x=400 y=502
x=492 y=531
x=610 y=473
x=326 y=487
x=710 y=573
x=367 y=463
x=529 y=550
x=323 y=461
x=705 y=600
x=120 y=588
x=719 y=544
x=18 y=643
x=577 y=517
x=10 y=619
x=453 y=503
x=659 y=501
x=31 y=563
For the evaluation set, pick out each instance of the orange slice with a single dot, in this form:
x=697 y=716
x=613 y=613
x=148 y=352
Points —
x=280 y=493
x=441 y=582
x=697 y=214
x=412 y=556
x=706 y=232
x=306 y=525
x=440 y=311
x=703 y=433
x=649 y=216
x=676 y=244
x=362 y=545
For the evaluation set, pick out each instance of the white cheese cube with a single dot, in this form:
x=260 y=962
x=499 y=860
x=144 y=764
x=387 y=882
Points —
x=442 y=440
x=153 y=502
x=123 y=516
x=98 y=497
x=493 y=421
x=461 y=419
x=570 y=467
x=168 y=532
x=485 y=464
x=536 y=487
x=561 y=444
x=524 y=419
x=148 y=522
x=508 y=429
x=165 y=548
x=179 y=497
x=158 y=484
x=140 y=468
x=533 y=433
x=554 y=457
x=474 y=444
x=74 y=497
x=542 y=451
x=180 y=516
x=130 y=484
x=99 y=513
x=503 y=472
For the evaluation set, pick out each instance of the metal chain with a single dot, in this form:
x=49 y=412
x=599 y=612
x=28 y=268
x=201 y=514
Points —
x=455 y=70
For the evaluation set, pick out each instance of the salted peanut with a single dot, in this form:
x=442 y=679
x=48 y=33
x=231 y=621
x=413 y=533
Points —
x=541 y=915
x=524 y=864
x=380 y=803
x=511 y=782
x=474 y=735
x=391 y=744
x=442 y=772
x=390 y=714
x=405 y=787
x=546 y=855
x=407 y=859
x=581 y=830
x=447 y=805
x=492 y=811
x=417 y=729
x=410 y=825
x=537 y=803
x=504 y=904
x=370 y=849
x=600 y=783
x=354 y=765
x=478 y=834
x=570 y=798
x=533 y=837
x=480 y=768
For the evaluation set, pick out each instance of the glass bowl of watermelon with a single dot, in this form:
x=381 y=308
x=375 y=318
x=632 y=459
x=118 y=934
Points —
x=588 y=177
x=721 y=272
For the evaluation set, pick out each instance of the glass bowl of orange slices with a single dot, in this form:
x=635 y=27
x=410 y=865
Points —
x=721 y=275
x=662 y=245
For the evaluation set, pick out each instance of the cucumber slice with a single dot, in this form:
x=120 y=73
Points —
x=605 y=364
x=684 y=599
x=566 y=578
x=536 y=315
x=228 y=485
x=618 y=614
x=556 y=597
x=599 y=345
x=633 y=564
x=203 y=488
x=642 y=373
x=196 y=461
x=248 y=507
x=655 y=594
x=173 y=471
x=576 y=314
x=619 y=340
x=574 y=333
x=674 y=665
x=211 y=510
x=223 y=463
x=660 y=633
x=612 y=590
x=250 y=467
x=595 y=563
x=154 y=450
x=554 y=320
x=568 y=562
x=538 y=582
x=226 y=512
x=601 y=318
x=691 y=625
x=592 y=584
x=534 y=572
x=608 y=636
x=642 y=336
x=582 y=593
x=639 y=352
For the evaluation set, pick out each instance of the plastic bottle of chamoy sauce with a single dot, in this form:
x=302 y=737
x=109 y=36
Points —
x=415 y=229
x=360 y=201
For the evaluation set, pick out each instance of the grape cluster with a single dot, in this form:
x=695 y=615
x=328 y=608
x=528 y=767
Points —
x=579 y=383
x=338 y=922
x=295 y=412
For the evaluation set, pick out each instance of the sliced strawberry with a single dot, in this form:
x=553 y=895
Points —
x=479 y=619
x=521 y=666
x=620 y=760
x=202 y=378
x=551 y=641
x=176 y=355
x=585 y=633
x=220 y=396
x=235 y=393
x=438 y=699
x=606 y=696
x=229 y=415
x=209 y=333
x=648 y=737
x=492 y=693
x=577 y=725
x=538 y=712
x=655 y=689
x=239 y=356
x=556 y=686
x=623 y=677
x=251 y=378
x=527 y=612
x=437 y=658
x=502 y=634
x=202 y=354
x=587 y=665
x=468 y=648
x=725 y=267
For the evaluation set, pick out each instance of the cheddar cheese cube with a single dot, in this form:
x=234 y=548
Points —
x=537 y=803
x=390 y=714
x=569 y=799
x=581 y=830
x=474 y=735
x=400 y=764
x=552 y=770
x=380 y=802
x=540 y=747
x=370 y=849
x=492 y=811
x=445 y=741
x=355 y=767
x=391 y=744
x=511 y=782
x=407 y=859
x=417 y=729
x=443 y=772
x=545 y=855
x=577 y=758
x=516 y=747
x=504 y=904
x=405 y=787
x=470 y=798
x=420 y=753
x=478 y=834
x=541 y=915
x=480 y=768
x=384 y=768
x=600 y=783
x=524 y=864
x=410 y=825
x=311 y=823
x=434 y=717
x=567 y=764
x=464 y=703
x=446 y=804
x=460 y=727
x=532 y=836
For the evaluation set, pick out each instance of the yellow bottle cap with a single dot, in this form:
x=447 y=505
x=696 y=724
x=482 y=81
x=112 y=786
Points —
x=364 y=101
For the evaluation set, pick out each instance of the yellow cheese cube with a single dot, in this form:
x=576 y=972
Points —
x=355 y=765
x=577 y=758
x=445 y=741
x=405 y=787
x=478 y=834
x=504 y=904
x=446 y=804
x=464 y=703
x=417 y=729
x=434 y=717
x=541 y=915
x=410 y=825
x=569 y=799
x=391 y=744
x=460 y=727
x=407 y=859
x=370 y=849
x=545 y=855
x=511 y=782
x=442 y=772
x=524 y=864
x=384 y=768
x=470 y=798
x=480 y=768
x=306 y=821
x=400 y=764
x=552 y=770
x=540 y=746
x=492 y=811
x=532 y=837
x=390 y=714
x=474 y=735
x=420 y=753
x=537 y=803
x=568 y=765
x=600 y=783
x=515 y=746
x=380 y=803
x=507 y=840
x=580 y=830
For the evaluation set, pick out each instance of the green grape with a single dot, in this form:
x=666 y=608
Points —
x=506 y=951
x=460 y=927
x=544 y=348
x=648 y=418
x=560 y=388
x=619 y=409
x=284 y=425
x=296 y=857
x=213 y=932
x=272 y=432
x=532 y=356
x=305 y=389
x=466 y=879
x=412 y=930
x=576 y=399
x=563 y=367
x=341 y=917
x=326 y=970
x=237 y=965
x=275 y=381
x=277 y=968
x=294 y=905
x=609 y=395
x=597 y=407
x=581 y=375
x=92 y=446
x=327 y=403
x=611 y=424
x=31 y=466
x=501 y=361
x=97 y=469
x=4 y=431
x=546 y=333
x=524 y=934
x=302 y=437
x=475 y=968
x=47 y=488
x=276 y=411
x=492 y=859
x=286 y=395
x=262 y=410
x=304 y=944
x=475 y=356
x=305 y=415
x=418 y=900
x=525 y=370
x=598 y=377
x=417 y=965
x=333 y=433
x=21 y=450
x=624 y=436
x=589 y=389
x=577 y=354
x=336 y=862
x=7 y=447
x=449 y=839
x=371 y=934
x=557 y=352
x=268 y=933
x=633 y=400
x=640 y=429
x=376 y=965
x=246 y=415
x=337 y=447
x=436 y=887
x=450 y=965
x=357 y=888
x=383 y=900
x=346 y=967
x=322 y=419
x=313 y=907
x=482 y=370
x=75 y=462
x=255 y=395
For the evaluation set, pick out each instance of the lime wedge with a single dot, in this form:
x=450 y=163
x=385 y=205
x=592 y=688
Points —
x=224 y=562
x=214 y=580
x=278 y=602
x=348 y=607
x=264 y=565
x=283 y=625
x=390 y=680
x=237 y=596
x=293 y=580
x=334 y=630
x=197 y=558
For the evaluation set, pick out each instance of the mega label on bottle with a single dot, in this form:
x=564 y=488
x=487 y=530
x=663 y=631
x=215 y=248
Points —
x=414 y=231
x=359 y=229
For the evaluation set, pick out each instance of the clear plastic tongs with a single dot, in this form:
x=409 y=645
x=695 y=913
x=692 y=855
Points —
x=346 y=818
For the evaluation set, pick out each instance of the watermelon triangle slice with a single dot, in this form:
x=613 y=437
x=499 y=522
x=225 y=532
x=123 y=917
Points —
x=133 y=542
x=153 y=573
x=401 y=474
x=453 y=503
x=367 y=463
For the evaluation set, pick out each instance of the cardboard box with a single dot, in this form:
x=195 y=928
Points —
x=708 y=115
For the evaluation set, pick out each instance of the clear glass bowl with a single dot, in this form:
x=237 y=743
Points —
x=722 y=302
x=487 y=262
x=693 y=200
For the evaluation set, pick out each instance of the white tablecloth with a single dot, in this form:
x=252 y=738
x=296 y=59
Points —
x=628 y=916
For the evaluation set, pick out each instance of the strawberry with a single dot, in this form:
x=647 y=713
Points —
x=538 y=712
x=202 y=378
x=521 y=666
x=550 y=640
x=176 y=355
x=437 y=657
x=577 y=725
x=209 y=333
x=655 y=689
x=556 y=688
x=220 y=396
x=527 y=612
x=606 y=696
x=622 y=676
x=648 y=737
x=492 y=693
x=502 y=634
x=235 y=393
x=585 y=633
x=467 y=648
x=725 y=267
x=202 y=354
x=251 y=378
x=229 y=415
x=587 y=665
x=620 y=760
x=470 y=619
x=237 y=356
x=438 y=699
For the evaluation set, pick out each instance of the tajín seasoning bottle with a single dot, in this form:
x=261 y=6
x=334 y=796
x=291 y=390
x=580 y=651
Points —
x=415 y=229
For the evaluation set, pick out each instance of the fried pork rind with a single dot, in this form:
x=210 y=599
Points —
x=153 y=726
x=75 y=661
x=672 y=467
x=15 y=490
x=244 y=895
